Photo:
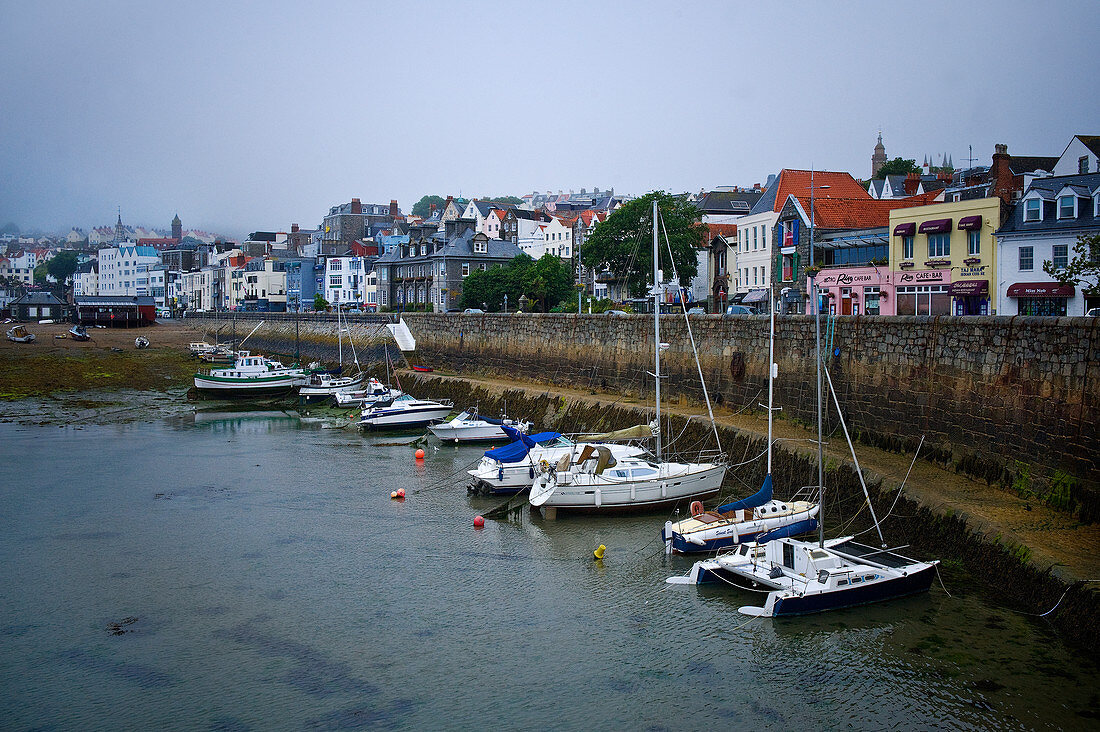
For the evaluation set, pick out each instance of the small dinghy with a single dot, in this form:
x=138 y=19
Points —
x=19 y=334
x=141 y=343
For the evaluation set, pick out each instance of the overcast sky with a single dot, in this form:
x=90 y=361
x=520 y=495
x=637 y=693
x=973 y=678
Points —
x=253 y=116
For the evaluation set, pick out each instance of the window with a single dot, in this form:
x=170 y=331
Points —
x=871 y=300
x=754 y=275
x=923 y=300
x=1060 y=255
x=480 y=247
x=788 y=268
x=335 y=264
x=335 y=281
x=1055 y=306
x=1067 y=207
x=939 y=245
x=1027 y=259
x=973 y=243
x=1033 y=209
x=465 y=269
x=754 y=235
x=1083 y=164
x=907 y=247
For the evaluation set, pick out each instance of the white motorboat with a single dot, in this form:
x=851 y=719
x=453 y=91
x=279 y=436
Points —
x=469 y=426
x=590 y=478
x=403 y=412
x=20 y=334
x=512 y=468
x=375 y=392
x=251 y=376
x=741 y=521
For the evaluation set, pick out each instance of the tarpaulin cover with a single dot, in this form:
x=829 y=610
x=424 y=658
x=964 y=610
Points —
x=799 y=527
x=517 y=450
x=759 y=498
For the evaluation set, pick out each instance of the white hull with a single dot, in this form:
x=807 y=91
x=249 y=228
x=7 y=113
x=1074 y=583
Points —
x=711 y=531
x=617 y=488
x=409 y=413
x=322 y=386
x=512 y=477
x=483 y=432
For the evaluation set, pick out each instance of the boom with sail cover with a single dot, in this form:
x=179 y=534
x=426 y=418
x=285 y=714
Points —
x=759 y=498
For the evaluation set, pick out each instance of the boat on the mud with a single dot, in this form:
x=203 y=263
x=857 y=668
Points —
x=19 y=334
x=141 y=343
x=326 y=384
x=79 y=333
x=375 y=392
x=403 y=412
x=469 y=426
x=251 y=376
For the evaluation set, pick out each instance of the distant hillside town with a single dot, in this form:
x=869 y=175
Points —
x=927 y=239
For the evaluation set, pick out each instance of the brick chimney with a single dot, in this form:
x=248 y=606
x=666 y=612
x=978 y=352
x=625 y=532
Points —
x=356 y=206
x=1004 y=182
x=294 y=228
x=393 y=209
x=431 y=210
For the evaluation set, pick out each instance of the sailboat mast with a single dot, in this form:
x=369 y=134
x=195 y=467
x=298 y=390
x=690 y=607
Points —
x=771 y=371
x=656 y=328
x=339 y=336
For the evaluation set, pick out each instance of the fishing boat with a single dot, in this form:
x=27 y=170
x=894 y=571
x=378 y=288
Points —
x=251 y=376
x=19 y=334
x=591 y=479
x=323 y=384
x=815 y=576
x=469 y=426
x=744 y=520
x=375 y=392
x=513 y=467
x=79 y=333
x=404 y=412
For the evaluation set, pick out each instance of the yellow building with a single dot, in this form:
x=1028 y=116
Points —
x=943 y=257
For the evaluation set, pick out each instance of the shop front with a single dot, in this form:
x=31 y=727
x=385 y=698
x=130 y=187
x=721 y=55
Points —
x=1041 y=298
x=922 y=292
x=855 y=291
x=971 y=297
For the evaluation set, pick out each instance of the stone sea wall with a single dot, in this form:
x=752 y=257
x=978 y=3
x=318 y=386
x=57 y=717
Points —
x=1007 y=399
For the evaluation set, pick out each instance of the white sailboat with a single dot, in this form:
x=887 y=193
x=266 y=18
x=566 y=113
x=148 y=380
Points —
x=469 y=426
x=590 y=478
x=323 y=385
x=810 y=577
x=742 y=521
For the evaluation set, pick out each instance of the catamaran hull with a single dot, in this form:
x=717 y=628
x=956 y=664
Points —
x=909 y=584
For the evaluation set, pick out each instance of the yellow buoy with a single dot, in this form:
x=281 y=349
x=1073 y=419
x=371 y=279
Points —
x=598 y=552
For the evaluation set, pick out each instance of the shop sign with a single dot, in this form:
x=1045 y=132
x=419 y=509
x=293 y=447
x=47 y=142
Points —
x=923 y=276
x=972 y=271
x=844 y=279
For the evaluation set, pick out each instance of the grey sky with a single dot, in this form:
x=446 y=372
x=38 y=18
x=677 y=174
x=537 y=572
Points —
x=244 y=116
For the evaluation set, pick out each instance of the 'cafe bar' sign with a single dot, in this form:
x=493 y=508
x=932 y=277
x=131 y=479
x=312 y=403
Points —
x=923 y=276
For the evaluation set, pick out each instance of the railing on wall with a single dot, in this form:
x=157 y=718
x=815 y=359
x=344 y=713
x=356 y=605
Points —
x=310 y=317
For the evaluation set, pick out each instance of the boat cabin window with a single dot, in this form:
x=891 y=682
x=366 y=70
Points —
x=620 y=474
x=788 y=556
x=817 y=554
x=643 y=472
x=841 y=582
x=856 y=580
x=870 y=577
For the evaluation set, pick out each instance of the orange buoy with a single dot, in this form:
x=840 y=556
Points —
x=393 y=494
x=419 y=453
x=479 y=522
x=400 y=492
x=696 y=508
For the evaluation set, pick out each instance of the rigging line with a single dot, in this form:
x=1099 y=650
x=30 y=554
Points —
x=687 y=322
x=444 y=482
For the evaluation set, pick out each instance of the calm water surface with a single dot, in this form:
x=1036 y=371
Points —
x=248 y=571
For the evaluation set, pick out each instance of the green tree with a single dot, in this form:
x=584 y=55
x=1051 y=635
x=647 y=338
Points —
x=623 y=242
x=897 y=166
x=319 y=302
x=62 y=266
x=487 y=288
x=505 y=199
x=548 y=281
x=423 y=207
x=1083 y=268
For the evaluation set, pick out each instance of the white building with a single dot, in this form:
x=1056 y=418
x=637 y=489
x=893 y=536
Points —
x=548 y=236
x=125 y=270
x=20 y=266
x=1081 y=156
x=346 y=281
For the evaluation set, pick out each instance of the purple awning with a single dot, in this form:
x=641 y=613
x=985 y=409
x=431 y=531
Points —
x=1040 y=289
x=970 y=222
x=935 y=226
x=969 y=287
x=905 y=229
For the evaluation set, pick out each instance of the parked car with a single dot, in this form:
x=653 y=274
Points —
x=616 y=312
x=1092 y=313
x=473 y=310
x=740 y=310
x=697 y=311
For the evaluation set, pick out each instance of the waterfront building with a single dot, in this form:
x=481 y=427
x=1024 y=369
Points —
x=348 y=223
x=125 y=270
x=37 y=305
x=1043 y=227
x=943 y=257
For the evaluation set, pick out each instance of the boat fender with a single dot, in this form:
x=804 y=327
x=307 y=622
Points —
x=664 y=490
x=599 y=498
x=500 y=472
x=530 y=471
x=696 y=508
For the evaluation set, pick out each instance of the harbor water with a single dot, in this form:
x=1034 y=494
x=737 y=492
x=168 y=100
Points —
x=248 y=570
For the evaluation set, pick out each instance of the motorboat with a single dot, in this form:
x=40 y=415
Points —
x=141 y=343
x=590 y=478
x=375 y=392
x=251 y=376
x=321 y=386
x=404 y=411
x=469 y=426
x=512 y=468
x=79 y=333
x=19 y=334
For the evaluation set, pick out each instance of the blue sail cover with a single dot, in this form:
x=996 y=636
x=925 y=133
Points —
x=801 y=527
x=759 y=498
x=521 y=444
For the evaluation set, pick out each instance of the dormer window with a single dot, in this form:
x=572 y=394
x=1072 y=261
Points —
x=1067 y=207
x=480 y=247
x=1033 y=209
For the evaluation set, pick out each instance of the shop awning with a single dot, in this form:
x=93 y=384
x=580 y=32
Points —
x=1040 y=289
x=905 y=229
x=967 y=288
x=935 y=226
x=756 y=296
x=970 y=222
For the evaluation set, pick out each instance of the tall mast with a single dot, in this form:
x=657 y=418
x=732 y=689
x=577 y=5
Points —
x=771 y=371
x=817 y=352
x=656 y=328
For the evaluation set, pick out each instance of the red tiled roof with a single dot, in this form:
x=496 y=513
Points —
x=726 y=230
x=923 y=199
x=797 y=183
x=863 y=213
